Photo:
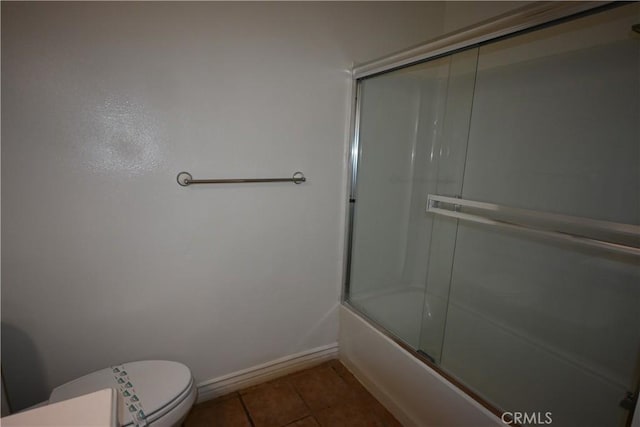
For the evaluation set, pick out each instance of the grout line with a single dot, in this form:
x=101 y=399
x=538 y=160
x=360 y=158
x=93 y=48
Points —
x=355 y=398
x=350 y=398
x=340 y=376
x=246 y=411
x=295 y=389
x=302 y=418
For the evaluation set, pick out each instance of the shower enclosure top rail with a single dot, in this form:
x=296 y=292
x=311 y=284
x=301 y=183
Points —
x=611 y=236
x=521 y=19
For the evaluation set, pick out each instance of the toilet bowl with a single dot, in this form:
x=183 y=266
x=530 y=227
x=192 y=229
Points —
x=156 y=393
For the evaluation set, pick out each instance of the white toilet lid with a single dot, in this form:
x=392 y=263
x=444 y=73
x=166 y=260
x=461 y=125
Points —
x=161 y=385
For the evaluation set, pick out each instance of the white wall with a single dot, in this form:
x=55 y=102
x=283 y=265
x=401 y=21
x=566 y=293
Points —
x=460 y=14
x=105 y=258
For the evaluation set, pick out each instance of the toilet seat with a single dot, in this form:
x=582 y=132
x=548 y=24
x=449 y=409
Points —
x=166 y=390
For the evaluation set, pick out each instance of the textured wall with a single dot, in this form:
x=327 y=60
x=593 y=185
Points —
x=105 y=258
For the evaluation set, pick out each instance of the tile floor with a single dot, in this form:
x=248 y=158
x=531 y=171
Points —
x=326 y=395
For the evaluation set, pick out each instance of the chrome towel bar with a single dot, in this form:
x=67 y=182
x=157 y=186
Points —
x=185 y=179
x=611 y=236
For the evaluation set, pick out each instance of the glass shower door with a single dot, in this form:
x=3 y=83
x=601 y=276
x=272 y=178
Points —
x=533 y=324
x=529 y=150
x=409 y=147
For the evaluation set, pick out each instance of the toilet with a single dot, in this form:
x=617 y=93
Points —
x=156 y=393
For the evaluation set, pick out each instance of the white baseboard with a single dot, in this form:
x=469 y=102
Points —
x=235 y=381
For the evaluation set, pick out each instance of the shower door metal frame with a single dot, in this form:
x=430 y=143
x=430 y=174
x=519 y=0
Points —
x=527 y=18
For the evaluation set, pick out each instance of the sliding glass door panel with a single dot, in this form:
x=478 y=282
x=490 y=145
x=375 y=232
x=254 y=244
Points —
x=448 y=160
x=534 y=324
x=581 y=304
x=556 y=120
x=506 y=371
x=400 y=121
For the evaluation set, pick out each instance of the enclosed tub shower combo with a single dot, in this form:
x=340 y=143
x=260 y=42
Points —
x=494 y=212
